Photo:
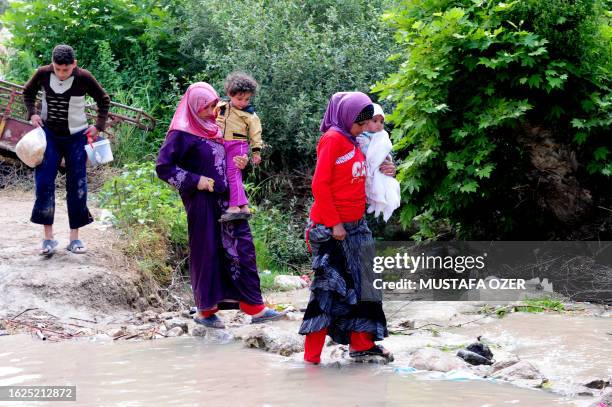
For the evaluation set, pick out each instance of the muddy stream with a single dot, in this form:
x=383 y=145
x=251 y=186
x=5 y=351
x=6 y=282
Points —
x=192 y=371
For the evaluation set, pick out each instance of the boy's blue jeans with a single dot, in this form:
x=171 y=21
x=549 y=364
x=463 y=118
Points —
x=72 y=149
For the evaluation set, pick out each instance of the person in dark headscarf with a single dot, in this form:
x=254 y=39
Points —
x=343 y=303
x=222 y=262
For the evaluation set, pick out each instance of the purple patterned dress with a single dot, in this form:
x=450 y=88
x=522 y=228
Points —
x=221 y=255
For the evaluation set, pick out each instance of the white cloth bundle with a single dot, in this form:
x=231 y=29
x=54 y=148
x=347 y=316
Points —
x=383 y=191
x=31 y=148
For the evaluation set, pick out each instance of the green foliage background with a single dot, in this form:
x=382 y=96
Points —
x=474 y=74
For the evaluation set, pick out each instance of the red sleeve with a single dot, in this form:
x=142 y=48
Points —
x=322 y=179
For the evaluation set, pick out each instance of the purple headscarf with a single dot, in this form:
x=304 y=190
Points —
x=342 y=110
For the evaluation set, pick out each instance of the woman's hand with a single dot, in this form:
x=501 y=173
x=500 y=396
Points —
x=241 y=161
x=338 y=232
x=206 y=184
x=388 y=168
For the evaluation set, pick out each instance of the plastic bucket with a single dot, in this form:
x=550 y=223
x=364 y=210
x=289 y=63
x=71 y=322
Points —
x=101 y=152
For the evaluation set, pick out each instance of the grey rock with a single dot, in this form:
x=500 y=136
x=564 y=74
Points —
x=116 y=332
x=176 y=322
x=148 y=316
x=473 y=358
x=200 y=330
x=598 y=384
x=480 y=349
x=168 y=315
x=141 y=304
x=274 y=340
x=212 y=335
x=174 y=332
x=522 y=374
x=436 y=360
x=504 y=363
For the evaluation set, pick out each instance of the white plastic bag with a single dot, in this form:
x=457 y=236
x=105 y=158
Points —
x=31 y=148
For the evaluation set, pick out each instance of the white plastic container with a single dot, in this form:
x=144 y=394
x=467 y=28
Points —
x=101 y=152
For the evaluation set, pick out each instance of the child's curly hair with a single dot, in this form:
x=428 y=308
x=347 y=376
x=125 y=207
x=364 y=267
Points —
x=239 y=82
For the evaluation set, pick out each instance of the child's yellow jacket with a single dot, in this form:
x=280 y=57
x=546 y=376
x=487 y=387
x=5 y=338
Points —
x=239 y=124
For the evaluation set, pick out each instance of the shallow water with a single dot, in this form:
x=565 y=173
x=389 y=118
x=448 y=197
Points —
x=190 y=372
x=559 y=345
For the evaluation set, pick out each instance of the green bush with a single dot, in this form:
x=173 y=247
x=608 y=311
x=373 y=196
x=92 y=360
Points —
x=301 y=52
x=132 y=30
x=138 y=197
x=19 y=66
x=471 y=74
x=151 y=216
x=279 y=235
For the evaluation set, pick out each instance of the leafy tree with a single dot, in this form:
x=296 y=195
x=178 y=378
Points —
x=474 y=75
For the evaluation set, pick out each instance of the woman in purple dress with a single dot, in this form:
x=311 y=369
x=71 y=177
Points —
x=222 y=255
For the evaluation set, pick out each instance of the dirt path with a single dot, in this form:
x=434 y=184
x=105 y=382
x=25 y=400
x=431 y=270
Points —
x=91 y=285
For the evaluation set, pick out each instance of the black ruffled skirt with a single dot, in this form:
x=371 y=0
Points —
x=342 y=297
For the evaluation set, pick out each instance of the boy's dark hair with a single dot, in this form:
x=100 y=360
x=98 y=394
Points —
x=239 y=82
x=63 y=55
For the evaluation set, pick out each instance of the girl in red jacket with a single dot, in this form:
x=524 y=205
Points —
x=343 y=302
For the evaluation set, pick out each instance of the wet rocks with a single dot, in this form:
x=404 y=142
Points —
x=473 y=358
x=148 y=316
x=597 y=384
x=117 y=332
x=522 y=373
x=168 y=315
x=504 y=363
x=212 y=335
x=174 y=332
x=176 y=322
x=436 y=360
x=272 y=339
x=476 y=354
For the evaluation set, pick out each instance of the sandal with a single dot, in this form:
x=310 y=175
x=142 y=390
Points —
x=76 y=247
x=269 y=315
x=212 y=321
x=376 y=350
x=48 y=247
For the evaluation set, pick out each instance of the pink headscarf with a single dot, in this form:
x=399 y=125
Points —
x=198 y=96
